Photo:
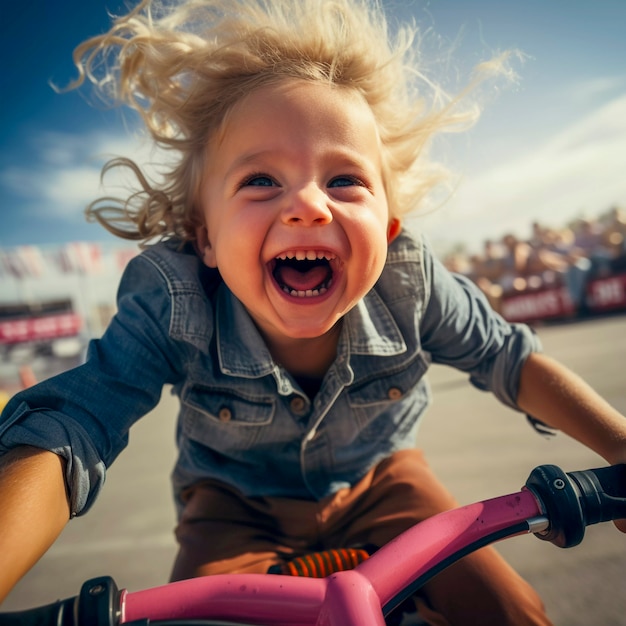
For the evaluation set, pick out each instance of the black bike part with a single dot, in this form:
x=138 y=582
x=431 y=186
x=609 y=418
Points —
x=561 y=503
x=603 y=492
x=418 y=583
x=98 y=604
x=60 y=613
x=573 y=501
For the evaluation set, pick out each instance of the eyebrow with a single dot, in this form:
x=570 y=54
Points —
x=344 y=157
x=246 y=159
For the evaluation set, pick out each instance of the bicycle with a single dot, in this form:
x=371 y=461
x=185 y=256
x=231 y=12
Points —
x=554 y=505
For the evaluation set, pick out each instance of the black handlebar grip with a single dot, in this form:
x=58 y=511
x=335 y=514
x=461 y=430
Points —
x=98 y=604
x=603 y=493
x=60 y=613
x=572 y=501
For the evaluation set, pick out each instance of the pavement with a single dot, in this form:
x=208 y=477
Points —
x=478 y=447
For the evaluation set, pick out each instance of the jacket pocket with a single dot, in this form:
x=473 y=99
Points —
x=389 y=405
x=223 y=420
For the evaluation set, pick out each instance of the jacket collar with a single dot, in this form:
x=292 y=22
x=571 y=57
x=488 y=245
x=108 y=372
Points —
x=369 y=329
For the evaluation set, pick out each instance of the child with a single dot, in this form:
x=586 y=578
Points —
x=285 y=304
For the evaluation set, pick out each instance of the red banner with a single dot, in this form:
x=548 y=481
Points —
x=538 y=305
x=40 y=328
x=606 y=294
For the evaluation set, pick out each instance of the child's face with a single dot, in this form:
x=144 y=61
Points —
x=295 y=210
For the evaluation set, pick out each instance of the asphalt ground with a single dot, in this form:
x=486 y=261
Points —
x=478 y=447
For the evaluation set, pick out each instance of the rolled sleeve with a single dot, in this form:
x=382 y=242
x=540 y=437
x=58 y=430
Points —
x=84 y=415
x=501 y=373
x=461 y=329
x=51 y=430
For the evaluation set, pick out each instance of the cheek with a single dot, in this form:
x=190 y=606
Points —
x=237 y=243
x=370 y=232
x=369 y=257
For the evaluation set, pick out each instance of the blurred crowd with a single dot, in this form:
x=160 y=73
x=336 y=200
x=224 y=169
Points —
x=568 y=256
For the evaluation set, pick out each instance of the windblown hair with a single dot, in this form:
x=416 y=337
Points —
x=182 y=65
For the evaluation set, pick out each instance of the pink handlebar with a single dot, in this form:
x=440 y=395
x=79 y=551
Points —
x=436 y=539
x=349 y=598
x=252 y=598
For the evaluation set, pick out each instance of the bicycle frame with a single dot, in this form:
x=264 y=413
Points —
x=349 y=598
x=554 y=505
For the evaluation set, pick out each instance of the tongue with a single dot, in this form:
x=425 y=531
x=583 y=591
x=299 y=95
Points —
x=302 y=281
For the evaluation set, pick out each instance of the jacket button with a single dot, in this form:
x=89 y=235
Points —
x=394 y=393
x=224 y=415
x=297 y=405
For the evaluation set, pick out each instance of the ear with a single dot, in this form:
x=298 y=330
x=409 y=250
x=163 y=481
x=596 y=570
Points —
x=203 y=245
x=393 y=229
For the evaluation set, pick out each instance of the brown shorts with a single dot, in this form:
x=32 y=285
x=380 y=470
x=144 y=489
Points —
x=222 y=531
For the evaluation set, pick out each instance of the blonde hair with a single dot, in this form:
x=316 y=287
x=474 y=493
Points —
x=182 y=66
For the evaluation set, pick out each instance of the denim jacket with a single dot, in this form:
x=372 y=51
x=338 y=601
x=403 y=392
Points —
x=243 y=419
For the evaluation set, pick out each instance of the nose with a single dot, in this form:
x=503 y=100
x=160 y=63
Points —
x=308 y=206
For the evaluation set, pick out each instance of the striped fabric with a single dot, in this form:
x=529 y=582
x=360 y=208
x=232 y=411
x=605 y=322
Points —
x=321 y=564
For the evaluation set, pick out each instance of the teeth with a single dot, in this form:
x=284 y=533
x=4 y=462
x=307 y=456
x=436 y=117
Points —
x=309 y=293
x=305 y=255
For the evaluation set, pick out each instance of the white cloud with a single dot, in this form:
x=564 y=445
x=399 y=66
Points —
x=66 y=176
x=67 y=188
x=581 y=170
x=598 y=87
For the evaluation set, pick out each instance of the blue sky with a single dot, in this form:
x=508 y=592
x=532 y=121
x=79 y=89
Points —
x=550 y=148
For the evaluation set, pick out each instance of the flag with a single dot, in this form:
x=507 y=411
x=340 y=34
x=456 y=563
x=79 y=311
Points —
x=83 y=257
x=22 y=262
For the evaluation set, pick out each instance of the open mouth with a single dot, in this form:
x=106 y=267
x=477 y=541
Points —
x=304 y=273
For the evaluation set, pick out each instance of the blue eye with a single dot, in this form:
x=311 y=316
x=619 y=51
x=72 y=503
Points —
x=344 y=181
x=259 y=180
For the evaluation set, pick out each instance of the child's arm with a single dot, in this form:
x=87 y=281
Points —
x=555 y=395
x=34 y=510
x=552 y=393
